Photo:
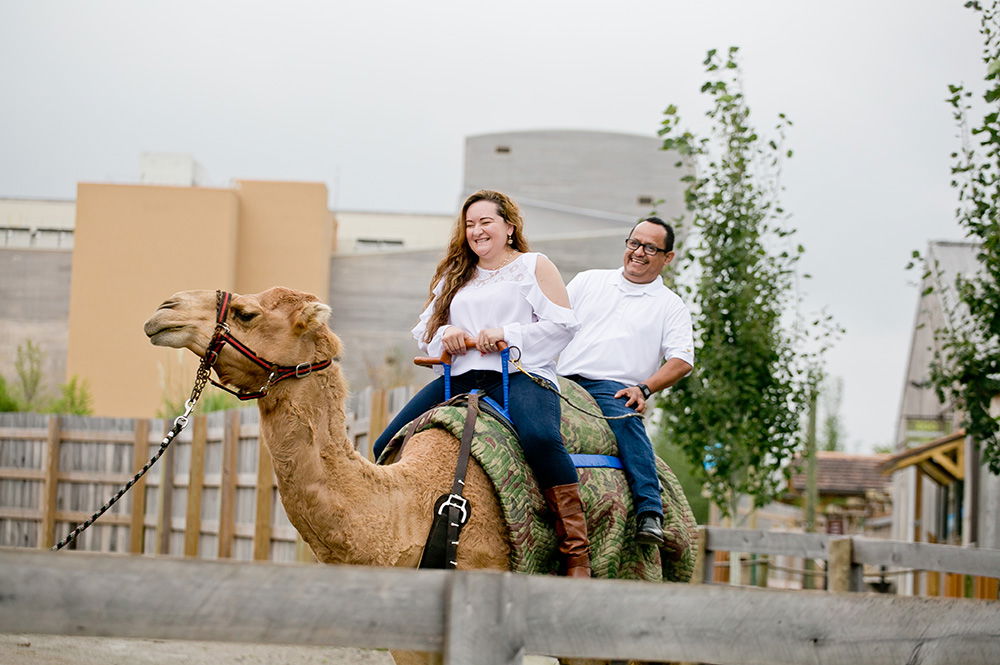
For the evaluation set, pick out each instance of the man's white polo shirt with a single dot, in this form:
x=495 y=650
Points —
x=626 y=330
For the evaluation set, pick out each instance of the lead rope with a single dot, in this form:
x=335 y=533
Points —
x=201 y=379
x=548 y=386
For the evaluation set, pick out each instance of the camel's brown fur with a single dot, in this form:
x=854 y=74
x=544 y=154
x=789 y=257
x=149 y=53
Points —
x=347 y=509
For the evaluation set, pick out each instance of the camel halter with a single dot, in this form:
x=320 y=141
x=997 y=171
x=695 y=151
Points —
x=277 y=372
x=220 y=338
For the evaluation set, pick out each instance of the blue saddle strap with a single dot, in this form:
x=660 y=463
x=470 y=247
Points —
x=600 y=461
x=505 y=373
x=497 y=409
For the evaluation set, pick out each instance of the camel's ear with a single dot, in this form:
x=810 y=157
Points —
x=311 y=316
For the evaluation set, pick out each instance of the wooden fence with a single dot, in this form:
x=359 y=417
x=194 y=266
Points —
x=487 y=618
x=212 y=494
x=846 y=558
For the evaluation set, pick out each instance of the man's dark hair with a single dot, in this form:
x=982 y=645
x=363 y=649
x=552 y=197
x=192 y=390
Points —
x=669 y=240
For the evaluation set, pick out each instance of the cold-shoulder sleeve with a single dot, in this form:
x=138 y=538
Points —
x=434 y=347
x=551 y=329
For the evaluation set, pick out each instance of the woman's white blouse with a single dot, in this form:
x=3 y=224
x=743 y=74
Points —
x=508 y=298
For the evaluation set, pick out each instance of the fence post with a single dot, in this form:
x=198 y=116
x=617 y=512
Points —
x=196 y=482
x=706 y=558
x=227 y=485
x=841 y=572
x=378 y=418
x=47 y=537
x=137 y=523
x=484 y=619
x=265 y=494
x=165 y=505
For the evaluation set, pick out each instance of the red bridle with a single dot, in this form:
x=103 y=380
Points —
x=277 y=373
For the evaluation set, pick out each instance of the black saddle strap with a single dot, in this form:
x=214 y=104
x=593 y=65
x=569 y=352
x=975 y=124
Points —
x=452 y=511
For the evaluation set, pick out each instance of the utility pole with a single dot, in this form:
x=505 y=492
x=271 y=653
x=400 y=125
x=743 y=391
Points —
x=809 y=582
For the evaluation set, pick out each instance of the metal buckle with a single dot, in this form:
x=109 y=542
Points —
x=456 y=501
x=308 y=370
x=267 y=385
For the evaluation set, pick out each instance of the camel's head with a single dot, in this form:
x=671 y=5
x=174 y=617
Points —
x=282 y=326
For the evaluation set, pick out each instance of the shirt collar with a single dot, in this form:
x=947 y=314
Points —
x=617 y=278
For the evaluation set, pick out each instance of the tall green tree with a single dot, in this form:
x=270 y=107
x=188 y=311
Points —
x=965 y=369
x=738 y=416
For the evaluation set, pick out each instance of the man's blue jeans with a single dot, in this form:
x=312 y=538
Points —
x=634 y=446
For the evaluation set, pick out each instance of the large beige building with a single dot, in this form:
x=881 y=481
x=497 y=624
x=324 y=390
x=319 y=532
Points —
x=137 y=244
x=82 y=285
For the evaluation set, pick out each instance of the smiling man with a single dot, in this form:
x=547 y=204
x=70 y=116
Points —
x=635 y=339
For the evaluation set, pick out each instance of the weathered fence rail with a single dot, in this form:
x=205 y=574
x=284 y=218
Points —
x=212 y=495
x=482 y=617
x=847 y=555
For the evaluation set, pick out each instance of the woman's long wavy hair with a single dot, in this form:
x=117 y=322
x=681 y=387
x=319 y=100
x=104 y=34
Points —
x=459 y=263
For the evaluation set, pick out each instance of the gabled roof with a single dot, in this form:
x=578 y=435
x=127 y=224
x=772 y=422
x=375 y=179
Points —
x=842 y=473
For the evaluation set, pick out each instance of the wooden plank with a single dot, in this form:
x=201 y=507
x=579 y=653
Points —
x=986 y=588
x=9 y=473
x=165 y=502
x=704 y=560
x=838 y=570
x=80 y=594
x=82 y=516
x=954 y=585
x=50 y=492
x=805 y=545
x=933 y=582
x=934 y=473
x=264 y=496
x=105 y=477
x=97 y=436
x=140 y=451
x=485 y=633
x=227 y=485
x=193 y=599
x=196 y=476
x=926 y=556
x=22 y=433
x=303 y=553
x=378 y=419
x=948 y=465
x=918 y=508
x=28 y=514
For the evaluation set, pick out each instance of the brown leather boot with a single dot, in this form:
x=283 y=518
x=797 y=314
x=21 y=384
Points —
x=571 y=528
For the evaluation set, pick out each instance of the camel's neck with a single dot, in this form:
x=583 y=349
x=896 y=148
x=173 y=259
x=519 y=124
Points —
x=304 y=420
x=303 y=425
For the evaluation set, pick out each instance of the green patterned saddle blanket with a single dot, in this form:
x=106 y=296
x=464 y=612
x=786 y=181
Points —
x=605 y=493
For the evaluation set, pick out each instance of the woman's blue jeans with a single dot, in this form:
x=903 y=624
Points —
x=534 y=411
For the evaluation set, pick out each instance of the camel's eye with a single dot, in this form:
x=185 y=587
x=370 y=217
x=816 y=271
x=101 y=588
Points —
x=244 y=316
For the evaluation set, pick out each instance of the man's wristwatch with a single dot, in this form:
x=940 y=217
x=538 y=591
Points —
x=646 y=392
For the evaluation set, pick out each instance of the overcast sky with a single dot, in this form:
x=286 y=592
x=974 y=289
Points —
x=375 y=99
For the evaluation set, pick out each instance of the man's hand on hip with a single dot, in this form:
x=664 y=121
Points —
x=634 y=398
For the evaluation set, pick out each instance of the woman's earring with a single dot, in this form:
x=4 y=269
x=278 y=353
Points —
x=510 y=239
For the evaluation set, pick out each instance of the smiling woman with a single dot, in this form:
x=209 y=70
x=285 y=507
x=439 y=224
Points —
x=489 y=289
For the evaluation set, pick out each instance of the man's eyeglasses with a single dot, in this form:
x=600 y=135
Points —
x=650 y=248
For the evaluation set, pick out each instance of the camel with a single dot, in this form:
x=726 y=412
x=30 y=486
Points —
x=347 y=509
